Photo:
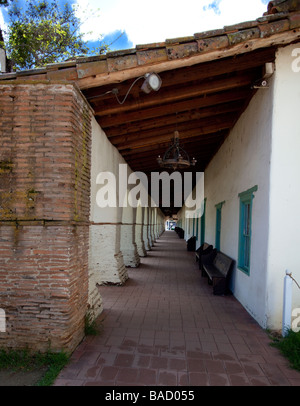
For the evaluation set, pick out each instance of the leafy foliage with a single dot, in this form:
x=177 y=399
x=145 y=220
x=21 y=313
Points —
x=44 y=33
x=290 y=348
x=23 y=360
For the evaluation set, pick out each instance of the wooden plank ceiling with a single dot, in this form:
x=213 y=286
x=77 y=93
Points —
x=202 y=102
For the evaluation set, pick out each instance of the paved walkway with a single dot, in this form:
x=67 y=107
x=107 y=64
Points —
x=165 y=327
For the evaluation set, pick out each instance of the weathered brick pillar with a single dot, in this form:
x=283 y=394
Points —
x=44 y=214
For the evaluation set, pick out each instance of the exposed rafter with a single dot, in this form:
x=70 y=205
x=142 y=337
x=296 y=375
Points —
x=207 y=82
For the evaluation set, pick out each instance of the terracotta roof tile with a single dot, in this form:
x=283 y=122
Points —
x=63 y=74
x=294 y=21
x=211 y=44
x=146 y=55
x=241 y=26
x=266 y=30
x=271 y=17
x=244 y=35
x=277 y=6
x=122 y=62
x=91 y=68
x=180 y=40
x=210 y=34
x=182 y=50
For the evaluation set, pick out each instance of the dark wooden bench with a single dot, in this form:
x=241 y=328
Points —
x=204 y=249
x=191 y=244
x=217 y=267
x=180 y=232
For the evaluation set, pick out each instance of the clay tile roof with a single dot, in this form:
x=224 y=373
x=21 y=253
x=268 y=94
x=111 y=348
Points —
x=279 y=6
x=282 y=17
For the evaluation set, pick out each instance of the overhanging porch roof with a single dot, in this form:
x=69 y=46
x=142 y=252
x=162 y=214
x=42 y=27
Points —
x=208 y=80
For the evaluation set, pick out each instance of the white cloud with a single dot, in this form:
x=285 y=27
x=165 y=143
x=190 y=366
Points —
x=2 y=23
x=155 y=21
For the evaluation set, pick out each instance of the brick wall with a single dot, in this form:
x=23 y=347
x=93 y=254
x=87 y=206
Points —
x=45 y=135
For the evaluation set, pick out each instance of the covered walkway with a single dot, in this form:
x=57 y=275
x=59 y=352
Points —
x=165 y=327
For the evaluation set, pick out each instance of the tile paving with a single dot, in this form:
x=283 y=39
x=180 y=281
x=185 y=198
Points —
x=164 y=327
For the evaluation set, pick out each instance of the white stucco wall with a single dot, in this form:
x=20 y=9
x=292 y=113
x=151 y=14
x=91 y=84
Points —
x=106 y=261
x=242 y=162
x=105 y=158
x=284 y=222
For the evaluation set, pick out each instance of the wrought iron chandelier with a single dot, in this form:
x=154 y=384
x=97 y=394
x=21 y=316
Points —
x=176 y=157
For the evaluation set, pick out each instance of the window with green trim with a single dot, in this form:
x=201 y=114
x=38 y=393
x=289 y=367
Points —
x=218 y=225
x=202 y=232
x=246 y=199
x=197 y=228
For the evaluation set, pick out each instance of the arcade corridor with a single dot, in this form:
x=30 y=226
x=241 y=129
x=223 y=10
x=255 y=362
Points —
x=164 y=327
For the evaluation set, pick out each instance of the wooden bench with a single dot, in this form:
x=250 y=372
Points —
x=217 y=267
x=204 y=249
x=191 y=244
x=180 y=232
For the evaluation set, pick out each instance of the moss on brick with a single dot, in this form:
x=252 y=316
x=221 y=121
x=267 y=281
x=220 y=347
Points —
x=6 y=167
x=45 y=257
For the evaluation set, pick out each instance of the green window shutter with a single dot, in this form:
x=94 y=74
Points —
x=218 y=225
x=246 y=199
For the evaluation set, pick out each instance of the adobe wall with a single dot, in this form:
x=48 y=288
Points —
x=242 y=162
x=44 y=214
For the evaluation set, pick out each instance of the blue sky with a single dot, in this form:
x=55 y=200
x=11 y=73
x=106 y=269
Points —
x=143 y=22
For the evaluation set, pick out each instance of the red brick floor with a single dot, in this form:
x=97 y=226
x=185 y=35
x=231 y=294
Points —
x=165 y=327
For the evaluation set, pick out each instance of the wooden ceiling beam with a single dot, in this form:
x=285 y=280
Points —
x=172 y=119
x=178 y=93
x=194 y=132
x=173 y=108
x=168 y=131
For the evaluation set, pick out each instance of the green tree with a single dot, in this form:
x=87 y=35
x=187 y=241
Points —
x=43 y=33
